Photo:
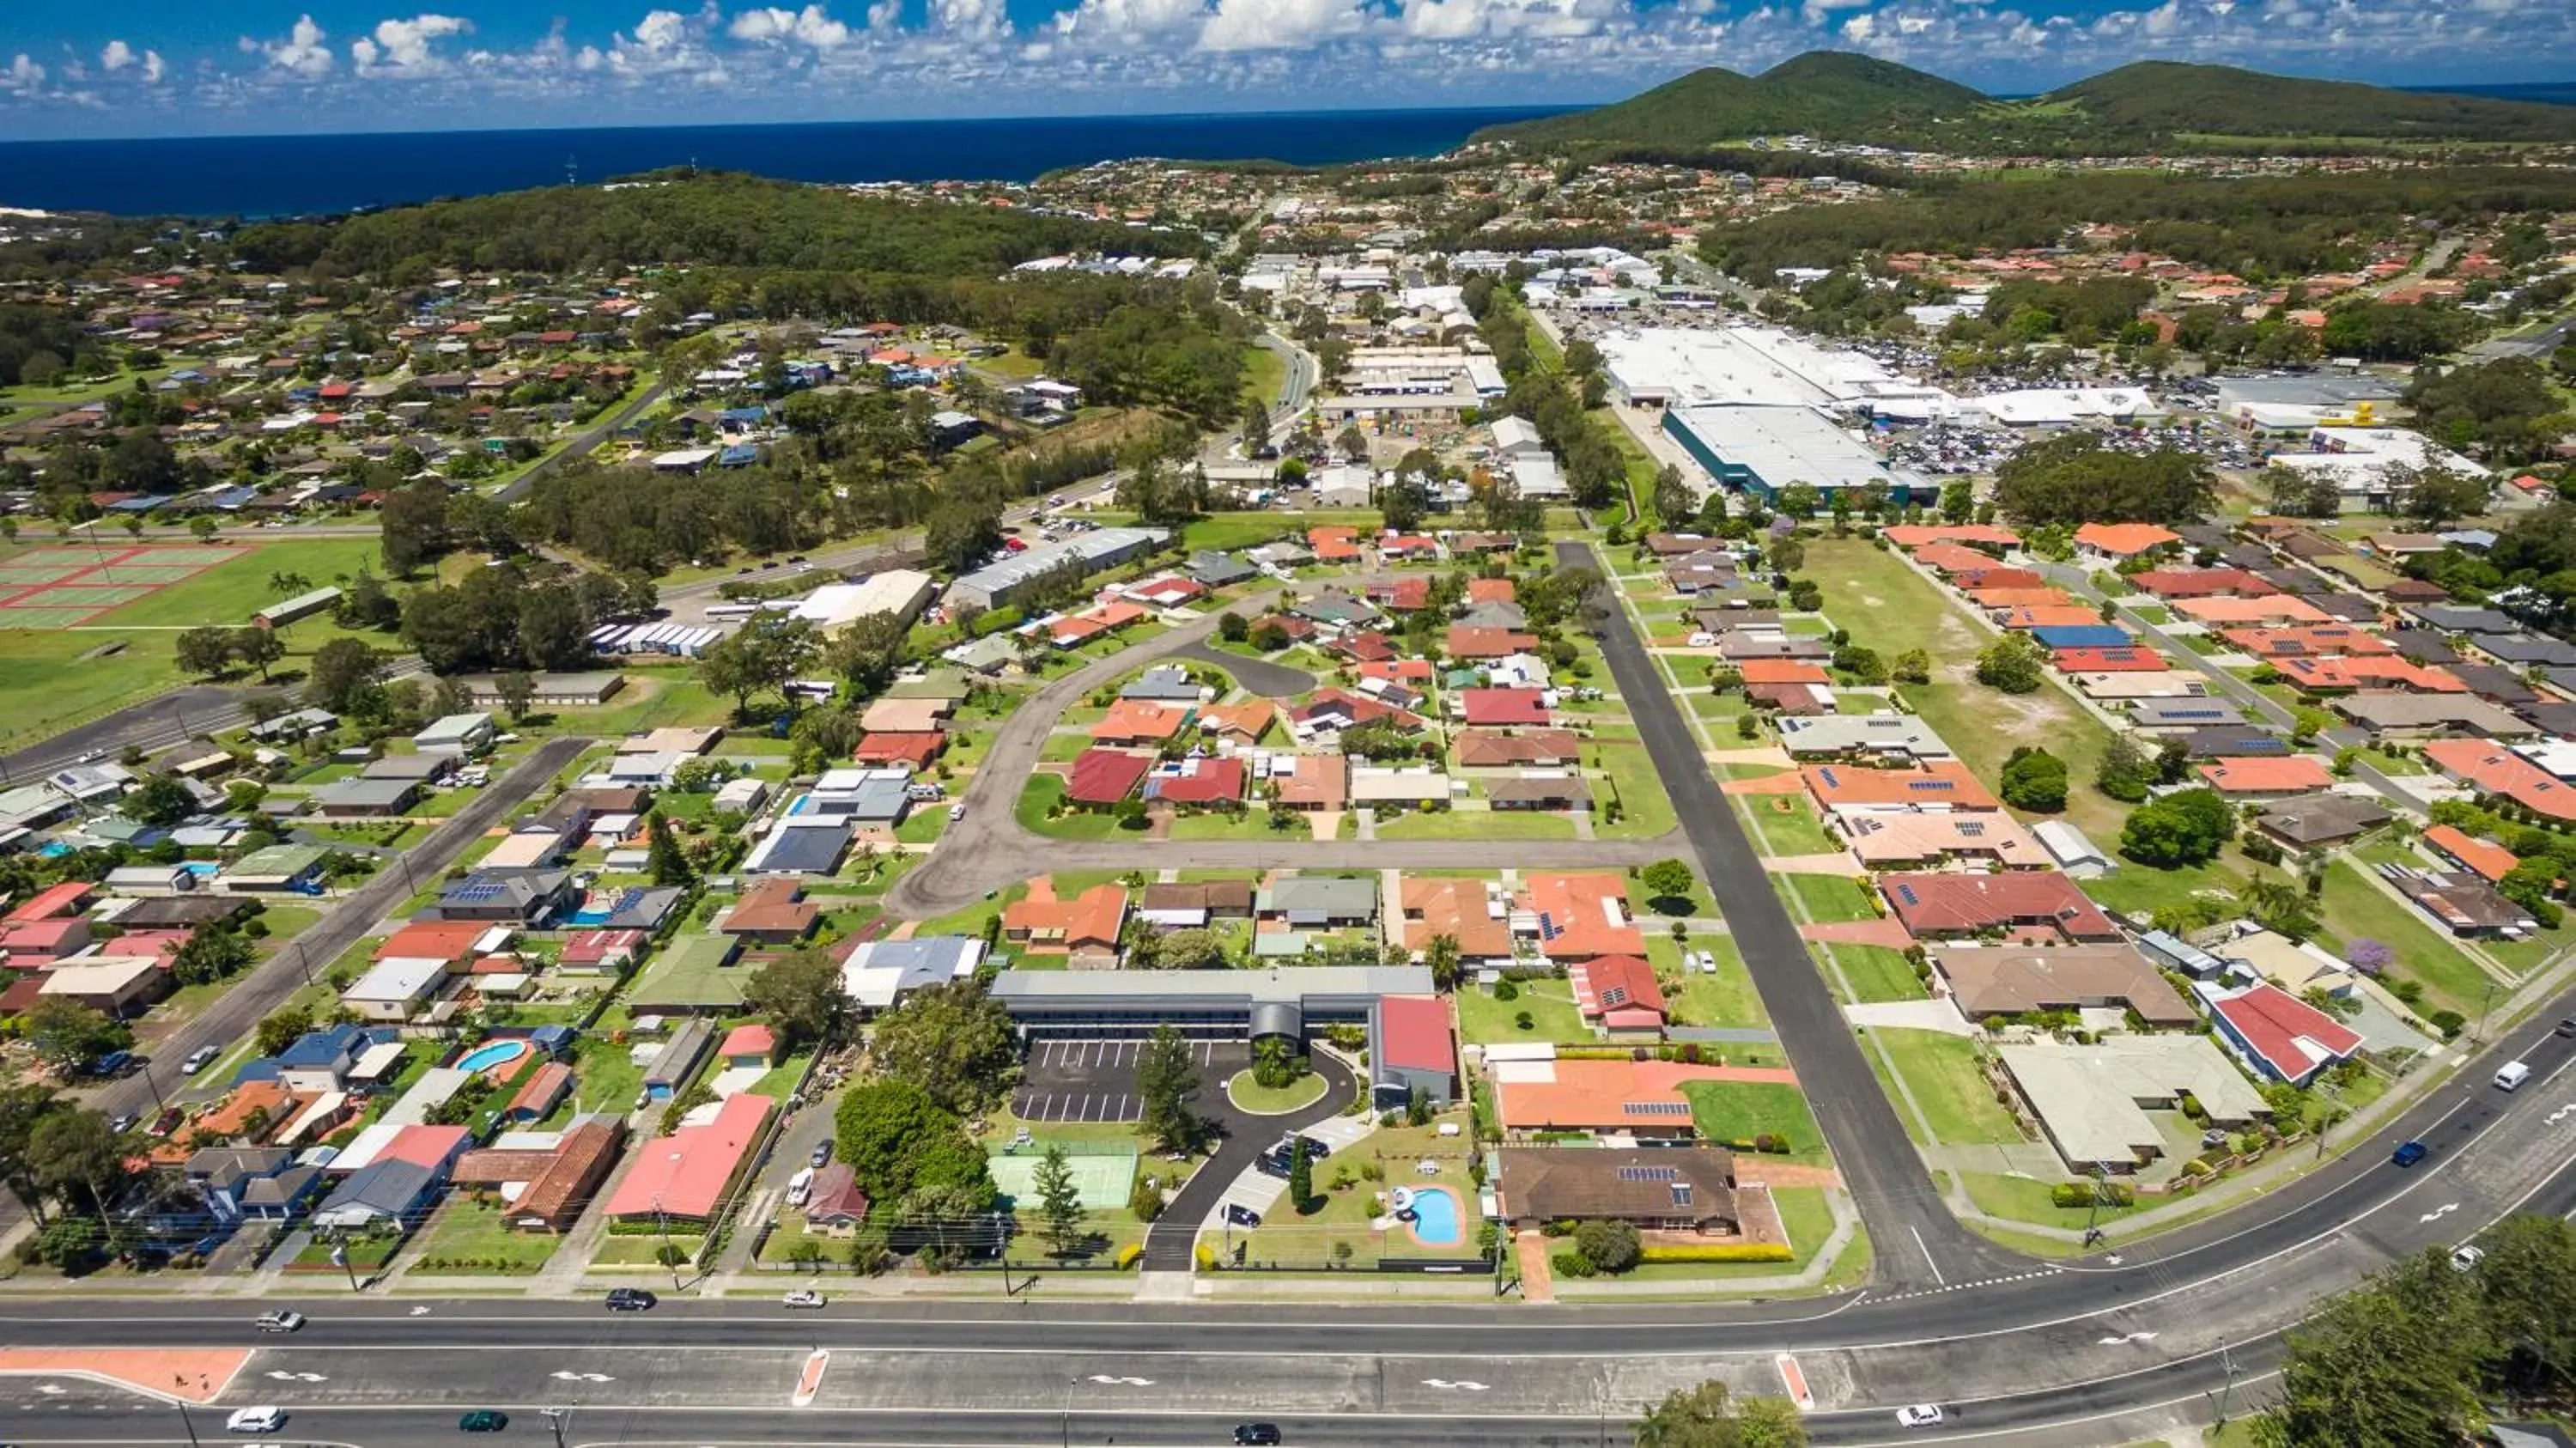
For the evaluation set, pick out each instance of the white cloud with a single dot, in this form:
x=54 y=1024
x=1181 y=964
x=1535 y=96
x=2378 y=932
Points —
x=812 y=26
x=116 y=56
x=1280 y=24
x=153 y=69
x=24 y=76
x=972 y=19
x=1130 y=19
x=403 y=47
x=301 y=52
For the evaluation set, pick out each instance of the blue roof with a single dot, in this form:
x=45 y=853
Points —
x=322 y=1047
x=144 y=504
x=2083 y=636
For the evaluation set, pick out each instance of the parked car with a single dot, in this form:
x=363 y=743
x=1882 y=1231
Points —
x=802 y=1297
x=255 y=1420
x=630 y=1299
x=822 y=1153
x=1920 y=1415
x=483 y=1420
x=2410 y=1153
x=957 y=811
x=2466 y=1257
x=2567 y=1027
x=199 y=1059
x=1257 y=1433
x=123 y=1122
x=1242 y=1216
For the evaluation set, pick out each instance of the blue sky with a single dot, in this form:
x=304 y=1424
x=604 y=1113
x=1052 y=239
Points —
x=181 y=67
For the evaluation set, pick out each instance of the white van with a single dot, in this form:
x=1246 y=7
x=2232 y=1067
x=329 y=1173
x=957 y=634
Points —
x=800 y=1186
x=2512 y=1076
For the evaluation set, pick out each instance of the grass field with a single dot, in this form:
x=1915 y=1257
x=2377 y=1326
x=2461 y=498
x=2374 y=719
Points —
x=1877 y=973
x=465 y=1237
x=1044 y=791
x=1788 y=825
x=1940 y=1072
x=1484 y=1020
x=1742 y=1110
x=2021 y=1199
x=1482 y=824
x=1724 y=999
x=2356 y=909
x=1889 y=607
x=1829 y=898
x=1646 y=809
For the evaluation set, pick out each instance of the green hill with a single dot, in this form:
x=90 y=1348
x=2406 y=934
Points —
x=2157 y=97
x=1821 y=93
x=1837 y=96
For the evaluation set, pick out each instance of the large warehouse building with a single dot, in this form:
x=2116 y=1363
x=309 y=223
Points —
x=1750 y=366
x=1100 y=548
x=898 y=591
x=1203 y=1004
x=1762 y=450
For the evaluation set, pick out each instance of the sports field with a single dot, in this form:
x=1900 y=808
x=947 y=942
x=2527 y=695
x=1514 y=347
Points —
x=1103 y=1173
x=67 y=585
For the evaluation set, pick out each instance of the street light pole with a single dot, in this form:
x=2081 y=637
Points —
x=1069 y=1383
x=555 y=1419
x=186 y=1422
x=2227 y=1361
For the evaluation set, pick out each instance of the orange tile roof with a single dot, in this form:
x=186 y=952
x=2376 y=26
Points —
x=1915 y=535
x=1130 y=720
x=1248 y=720
x=1088 y=921
x=2484 y=858
x=1948 y=784
x=2123 y=540
x=2293 y=774
x=433 y=940
x=2269 y=608
x=2023 y=598
x=1782 y=671
x=1455 y=908
x=1584 y=916
x=2497 y=770
x=2060 y=616
x=1609 y=1095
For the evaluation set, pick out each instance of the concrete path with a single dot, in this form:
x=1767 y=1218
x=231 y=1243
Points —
x=1912 y=1016
x=1858 y=932
x=1837 y=863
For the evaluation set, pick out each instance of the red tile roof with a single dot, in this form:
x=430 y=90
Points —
x=1200 y=781
x=1413 y=1033
x=2293 y=1037
x=685 y=1173
x=1947 y=785
x=1618 y=990
x=2290 y=774
x=2129 y=659
x=2497 y=770
x=1497 y=707
x=2044 y=900
x=1106 y=776
x=1581 y=916
x=54 y=900
x=2484 y=858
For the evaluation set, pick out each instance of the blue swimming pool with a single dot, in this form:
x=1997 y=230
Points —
x=491 y=1054
x=1435 y=1217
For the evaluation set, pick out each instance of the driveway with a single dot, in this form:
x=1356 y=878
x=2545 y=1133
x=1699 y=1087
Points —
x=1269 y=680
x=1170 y=1243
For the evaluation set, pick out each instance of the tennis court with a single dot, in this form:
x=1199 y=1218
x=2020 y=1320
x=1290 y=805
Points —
x=1103 y=1172
x=51 y=588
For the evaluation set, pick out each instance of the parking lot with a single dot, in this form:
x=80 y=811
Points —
x=1096 y=1080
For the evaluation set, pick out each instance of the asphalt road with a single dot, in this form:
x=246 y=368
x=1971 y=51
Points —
x=236 y=1013
x=1241 y=1137
x=585 y=444
x=1918 y=1242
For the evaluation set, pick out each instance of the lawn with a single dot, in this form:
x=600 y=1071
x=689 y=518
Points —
x=228 y=592
x=1350 y=1204
x=1250 y=1095
x=1726 y=1111
x=2139 y=890
x=1481 y=824
x=1484 y=1020
x=1788 y=825
x=467 y=1236
x=1646 y=809
x=1827 y=899
x=2021 y=1199
x=1724 y=999
x=2356 y=909
x=1890 y=608
x=1940 y=1070
x=1877 y=973
x=1045 y=791
x=1226 y=532
x=1250 y=824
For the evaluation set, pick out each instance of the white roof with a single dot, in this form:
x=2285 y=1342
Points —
x=398 y=979
x=2087 y=1096
x=899 y=591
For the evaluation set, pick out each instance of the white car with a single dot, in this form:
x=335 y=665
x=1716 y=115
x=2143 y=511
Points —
x=255 y=1420
x=2466 y=1257
x=281 y=1322
x=199 y=1059
x=802 y=1297
x=1921 y=1415
x=1703 y=640
x=957 y=812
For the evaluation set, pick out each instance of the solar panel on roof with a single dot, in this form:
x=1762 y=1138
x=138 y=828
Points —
x=1971 y=829
x=1649 y=1174
x=1657 y=1108
x=1906 y=893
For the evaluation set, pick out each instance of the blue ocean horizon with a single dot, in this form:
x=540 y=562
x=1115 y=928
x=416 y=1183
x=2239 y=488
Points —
x=267 y=176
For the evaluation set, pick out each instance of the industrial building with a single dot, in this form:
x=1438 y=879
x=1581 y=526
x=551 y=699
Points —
x=1003 y=582
x=1764 y=449
x=1745 y=367
x=898 y=591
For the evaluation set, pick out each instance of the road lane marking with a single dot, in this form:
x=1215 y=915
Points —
x=1927 y=1256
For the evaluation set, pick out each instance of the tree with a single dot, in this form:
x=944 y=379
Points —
x=869 y=651
x=1301 y=1179
x=2299 y=493
x=1672 y=499
x=1167 y=1078
x=1668 y=879
x=2394 y=1362
x=23 y=1107
x=1914 y=666
x=1788 y=555
x=518 y=691
x=1233 y=627
x=258 y=647
x=70 y=1037
x=2437 y=497
x=1275 y=1063
x=897 y=1141
x=162 y=799
x=955 y=1042
x=203 y=527
x=1958 y=501
x=800 y=995
x=1705 y=1417
x=2071 y=478
x=2034 y=780
x=662 y=858
x=206 y=651
x=344 y=671
x=760 y=657
x=2128 y=769
x=1059 y=1202
x=2015 y=663
x=74 y=1151
x=1610 y=1246
x=1447 y=967
x=279 y=1029
x=211 y=955
x=1185 y=949
x=2184 y=828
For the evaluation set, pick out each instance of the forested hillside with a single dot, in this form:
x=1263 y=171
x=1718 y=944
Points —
x=2163 y=98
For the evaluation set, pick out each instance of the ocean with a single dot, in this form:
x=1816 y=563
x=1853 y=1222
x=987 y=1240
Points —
x=260 y=176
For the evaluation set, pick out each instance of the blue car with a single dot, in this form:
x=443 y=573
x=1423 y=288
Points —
x=2410 y=1153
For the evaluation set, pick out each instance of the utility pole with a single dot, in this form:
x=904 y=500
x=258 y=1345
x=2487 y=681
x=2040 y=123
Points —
x=555 y=1419
x=2227 y=1361
x=186 y=1422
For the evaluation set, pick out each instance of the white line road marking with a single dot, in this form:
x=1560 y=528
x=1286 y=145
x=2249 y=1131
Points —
x=1126 y=1382
x=283 y=1376
x=2438 y=1213
x=566 y=1375
x=1455 y=1385
x=1927 y=1256
x=2127 y=1338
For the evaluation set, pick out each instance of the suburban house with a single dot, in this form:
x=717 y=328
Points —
x=2020 y=904
x=685 y=1176
x=2281 y=1036
x=1618 y=994
x=1085 y=927
x=1411 y=1050
x=1637 y=1099
x=2012 y=980
x=772 y=912
x=547 y=1186
x=1317 y=902
x=1578 y=917
x=1665 y=1189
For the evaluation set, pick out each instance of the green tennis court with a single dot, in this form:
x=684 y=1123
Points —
x=1102 y=1173
x=42 y=617
x=28 y=575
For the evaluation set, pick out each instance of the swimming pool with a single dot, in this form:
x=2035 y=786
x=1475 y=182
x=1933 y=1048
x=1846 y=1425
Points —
x=1435 y=1217
x=598 y=907
x=491 y=1054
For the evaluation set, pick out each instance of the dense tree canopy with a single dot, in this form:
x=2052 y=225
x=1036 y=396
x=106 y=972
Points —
x=2076 y=477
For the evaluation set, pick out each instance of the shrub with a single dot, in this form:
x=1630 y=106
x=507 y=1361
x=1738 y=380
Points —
x=1206 y=1256
x=2449 y=1023
x=1130 y=1254
x=1561 y=1227
x=1571 y=1264
x=1524 y=1021
x=1720 y=1252
x=1145 y=1201
x=1610 y=1246
x=1505 y=990
x=2195 y=1167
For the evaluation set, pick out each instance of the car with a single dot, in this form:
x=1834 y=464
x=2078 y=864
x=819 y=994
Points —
x=630 y=1299
x=2567 y=1027
x=199 y=1059
x=957 y=811
x=802 y=1297
x=1919 y=1415
x=822 y=1153
x=1257 y=1433
x=123 y=1122
x=483 y=1420
x=1237 y=1214
x=111 y=1064
x=281 y=1321
x=2410 y=1153
x=1271 y=1163
x=255 y=1420
x=2466 y=1257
